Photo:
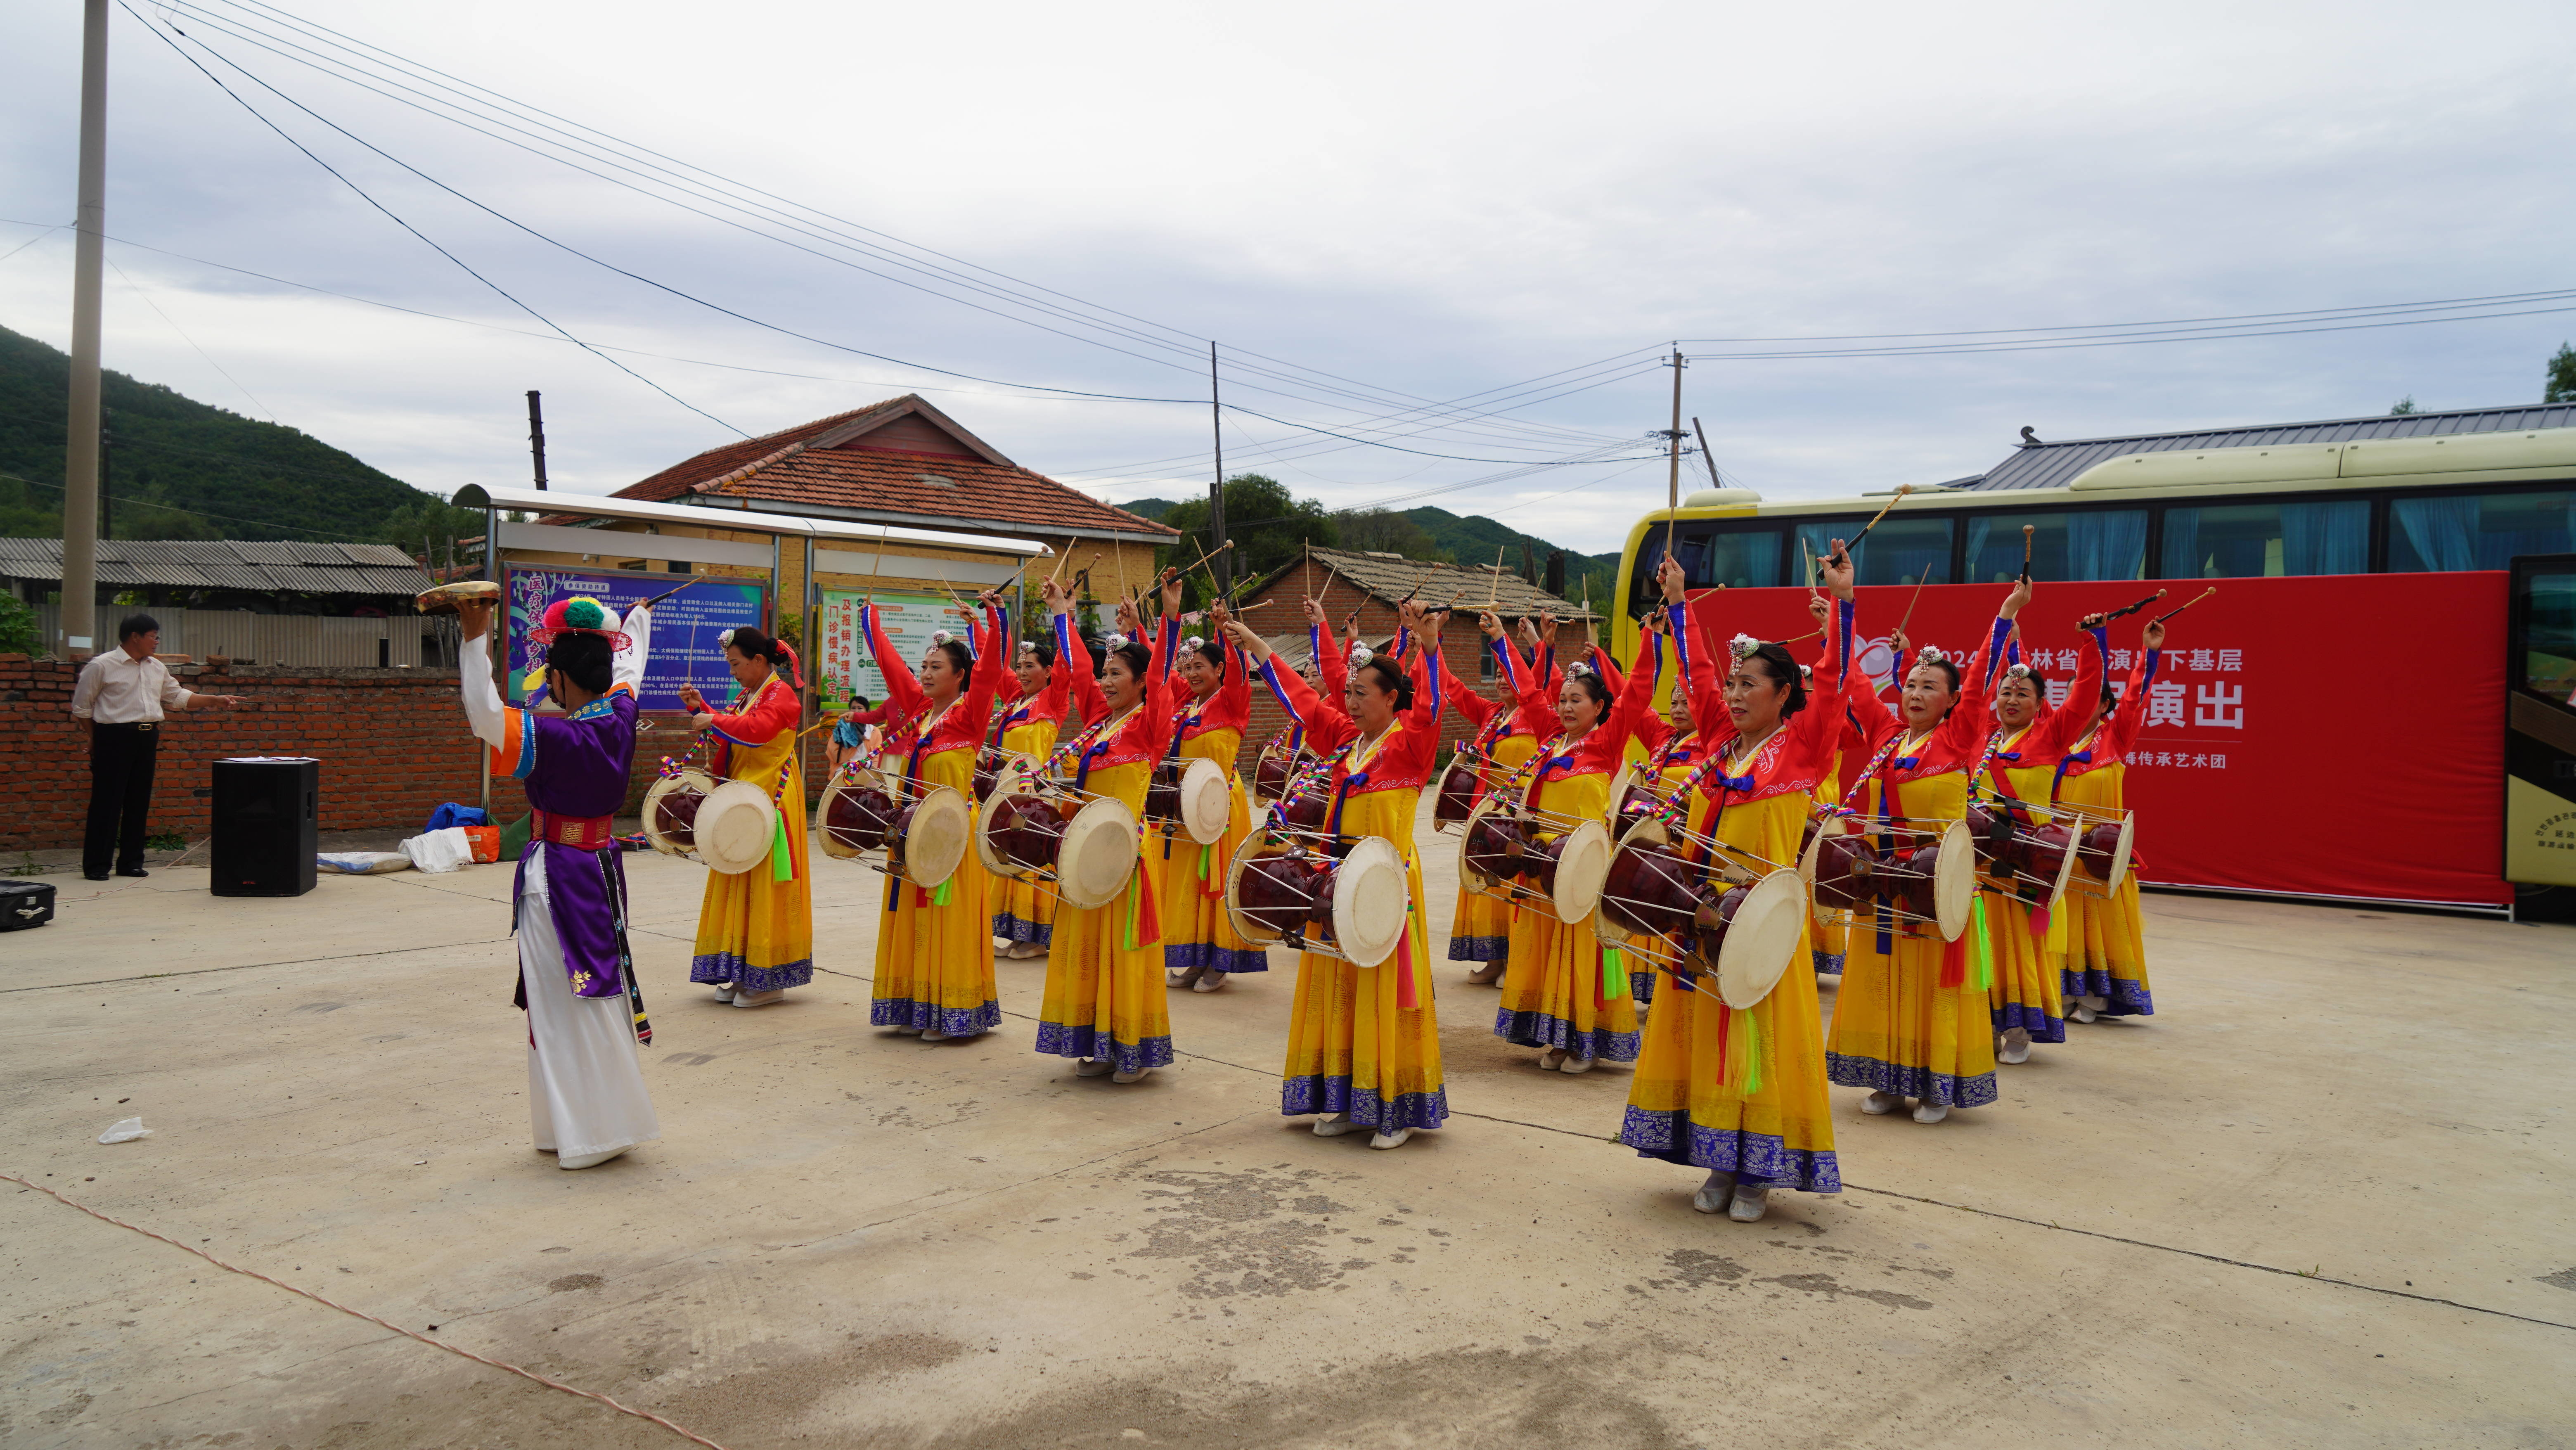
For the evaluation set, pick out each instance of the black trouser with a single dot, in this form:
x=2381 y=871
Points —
x=121 y=758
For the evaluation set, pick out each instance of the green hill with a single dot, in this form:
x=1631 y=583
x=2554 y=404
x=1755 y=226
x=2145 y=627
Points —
x=1471 y=539
x=181 y=469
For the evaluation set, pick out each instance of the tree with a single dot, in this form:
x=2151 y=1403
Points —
x=2404 y=407
x=2561 y=386
x=1269 y=526
x=1385 y=531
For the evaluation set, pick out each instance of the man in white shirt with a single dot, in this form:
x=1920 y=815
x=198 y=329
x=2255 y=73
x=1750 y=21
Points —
x=120 y=698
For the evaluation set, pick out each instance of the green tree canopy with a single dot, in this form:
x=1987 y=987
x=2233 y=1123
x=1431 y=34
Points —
x=1385 y=531
x=2561 y=385
x=1268 y=525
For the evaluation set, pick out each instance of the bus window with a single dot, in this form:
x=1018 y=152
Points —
x=1711 y=555
x=2549 y=636
x=2241 y=541
x=2090 y=544
x=1899 y=551
x=2476 y=531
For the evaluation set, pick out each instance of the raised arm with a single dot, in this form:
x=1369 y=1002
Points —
x=626 y=667
x=991 y=668
x=1526 y=686
x=903 y=691
x=2121 y=731
x=1324 y=722
x=2065 y=721
x=1077 y=684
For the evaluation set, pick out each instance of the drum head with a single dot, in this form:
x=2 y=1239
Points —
x=444 y=598
x=1954 y=881
x=2074 y=829
x=832 y=845
x=1369 y=902
x=735 y=827
x=997 y=816
x=1207 y=805
x=1619 y=783
x=1098 y=855
x=1641 y=834
x=1581 y=868
x=689 y=780
x=1244 y=926
x=1829 y=826
x=2120 y=856
x=934 y=846
x=1761 y=939
x=1468 y=875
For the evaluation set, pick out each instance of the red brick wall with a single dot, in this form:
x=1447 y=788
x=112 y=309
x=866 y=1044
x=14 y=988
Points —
x=392 y=743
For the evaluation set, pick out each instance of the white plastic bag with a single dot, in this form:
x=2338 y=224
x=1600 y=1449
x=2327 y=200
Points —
x=126 y=1131
x=440 y=850
x=364 y=863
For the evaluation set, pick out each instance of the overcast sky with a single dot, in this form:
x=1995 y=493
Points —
x=1397 y=204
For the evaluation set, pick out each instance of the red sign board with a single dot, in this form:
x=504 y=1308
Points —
x=2336 y=735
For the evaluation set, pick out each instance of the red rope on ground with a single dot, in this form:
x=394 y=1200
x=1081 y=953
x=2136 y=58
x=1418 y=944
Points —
x=370 y=1318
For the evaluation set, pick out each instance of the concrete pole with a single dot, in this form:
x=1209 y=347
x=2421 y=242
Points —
x=80 y=443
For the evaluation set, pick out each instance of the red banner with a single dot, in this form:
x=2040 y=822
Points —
x=2337 y=735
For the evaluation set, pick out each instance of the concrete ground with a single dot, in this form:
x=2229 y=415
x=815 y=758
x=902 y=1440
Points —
x=2321 y=1199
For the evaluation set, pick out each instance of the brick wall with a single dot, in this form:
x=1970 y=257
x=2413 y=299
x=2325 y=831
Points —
x=392 y=743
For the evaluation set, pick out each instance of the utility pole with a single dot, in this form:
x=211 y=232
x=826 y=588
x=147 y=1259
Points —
x=1673 y=441
x=80 y=442
x=1221 y=566
x=537 y=438
x=106 y=479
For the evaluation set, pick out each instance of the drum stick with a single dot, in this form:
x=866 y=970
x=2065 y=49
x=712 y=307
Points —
x=1902 y=490
x=2186 y=604
x=667 y=593
x=1809 y=555
x=2126 y=610
x=1916 y=599
x=1496 y=592
x=2028 y=532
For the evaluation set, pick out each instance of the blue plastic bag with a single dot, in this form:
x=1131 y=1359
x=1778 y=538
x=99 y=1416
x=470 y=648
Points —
x=452 y=814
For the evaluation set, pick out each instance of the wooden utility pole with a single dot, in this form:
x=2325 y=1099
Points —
x=80 y=442
x=537 y=438
x=1224 y=571
x=1673 y=443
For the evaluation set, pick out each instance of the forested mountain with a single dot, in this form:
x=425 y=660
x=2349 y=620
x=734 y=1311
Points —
x=181 y=469
x=1428 y=533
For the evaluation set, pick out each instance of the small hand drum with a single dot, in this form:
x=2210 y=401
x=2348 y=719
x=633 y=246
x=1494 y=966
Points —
x=1354 y=908
x=671 y=811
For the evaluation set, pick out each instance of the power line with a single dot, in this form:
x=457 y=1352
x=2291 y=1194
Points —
x=2165 y=322
x=406 y=226
x=340 y=69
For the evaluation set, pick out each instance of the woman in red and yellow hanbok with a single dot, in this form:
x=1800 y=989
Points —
x=2019 y=765
x=1558 y=996
x=1910 y=1019
x=934 y=967
x=1200 y=944
x=1742 y=1094
x=1025 y=725
x=2102 y=969
x=756 y=927
x=1504 y=740
x=1364 y=1042
x=1104 y=1000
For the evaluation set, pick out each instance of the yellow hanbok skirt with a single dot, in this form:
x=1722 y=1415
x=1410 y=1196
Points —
x=1353 y=1047
x=1104 y=994
x=2025 y=992
x=2105 y=951
x=1555 y=991
x=1740 y=1092
x=755 y=930
x=1480 y=930
x=1896 y=1029
x=934 y=967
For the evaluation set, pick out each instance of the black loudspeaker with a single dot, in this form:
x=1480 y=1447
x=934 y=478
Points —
x=265 y=811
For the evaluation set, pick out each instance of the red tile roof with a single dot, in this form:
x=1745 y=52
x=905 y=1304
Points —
x=832 y=462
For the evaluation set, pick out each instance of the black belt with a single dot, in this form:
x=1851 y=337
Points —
x=144 y=726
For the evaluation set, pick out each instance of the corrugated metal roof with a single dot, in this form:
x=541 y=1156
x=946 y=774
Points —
x=1391 y=577
x=2053 y=464
x=260 y=568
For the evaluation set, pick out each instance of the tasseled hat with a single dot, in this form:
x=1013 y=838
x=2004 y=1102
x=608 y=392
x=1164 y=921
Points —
x=579 y=615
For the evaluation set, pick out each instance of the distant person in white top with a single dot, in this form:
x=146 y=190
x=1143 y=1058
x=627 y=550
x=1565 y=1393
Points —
x=120 y=698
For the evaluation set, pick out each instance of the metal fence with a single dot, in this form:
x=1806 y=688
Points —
x=286 y=639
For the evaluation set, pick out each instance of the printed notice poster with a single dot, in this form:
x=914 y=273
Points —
x=909 y=620
x=688 y=627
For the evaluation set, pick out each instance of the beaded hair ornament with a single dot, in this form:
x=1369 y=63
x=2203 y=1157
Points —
x=1743 y=646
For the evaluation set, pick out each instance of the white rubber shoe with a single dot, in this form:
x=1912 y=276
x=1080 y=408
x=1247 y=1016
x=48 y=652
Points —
x=1335 y=1125
x=1712 y=1195
x=724 y=991
x=1878 y=1105
x=1749 y=1204
x=1391 y=1140
x=1928 y=1111
x=2015 y=1046
x=1091 y=1067
x=1573 y=1065
x=588 y=1160
x=759 y=999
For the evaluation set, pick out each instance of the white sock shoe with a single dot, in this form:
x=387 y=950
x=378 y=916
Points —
x=1335 y=1125
x=759 y=999
x=933 y=1034
x=1137 y=1076
x=1712 y=1195
x=587 y=1160
x=1573 y=1065
x=724 y=991
x=1091 y=1067
x=2015 y=1046
x=1929 y=1111
x=1393 y=1139
x=1877 y=1105
x=1749 y=1204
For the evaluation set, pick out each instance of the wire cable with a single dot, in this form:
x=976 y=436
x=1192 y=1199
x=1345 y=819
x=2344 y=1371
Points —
x=415 y=231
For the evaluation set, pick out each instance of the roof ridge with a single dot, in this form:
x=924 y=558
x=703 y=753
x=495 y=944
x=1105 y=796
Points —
x=2433 y=414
